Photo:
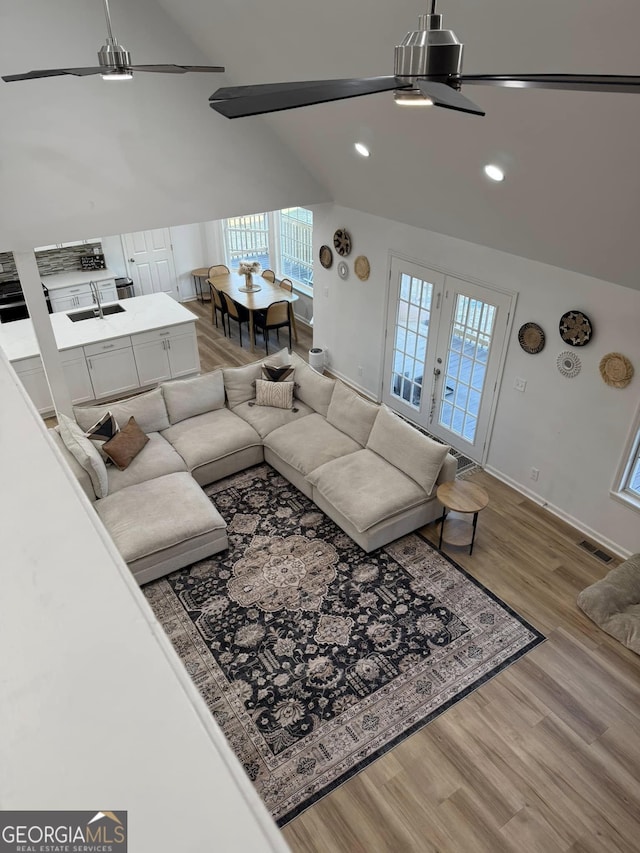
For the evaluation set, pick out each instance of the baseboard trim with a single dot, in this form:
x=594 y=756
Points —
x=560 y=513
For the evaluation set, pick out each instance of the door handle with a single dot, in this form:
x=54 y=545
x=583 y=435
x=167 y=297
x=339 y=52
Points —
x=436 y=371
x=132 y=260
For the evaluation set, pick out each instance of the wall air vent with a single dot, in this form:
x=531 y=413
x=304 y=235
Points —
x=597 y=552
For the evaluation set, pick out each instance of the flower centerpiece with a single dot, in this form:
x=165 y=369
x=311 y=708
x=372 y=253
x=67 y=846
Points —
x=247 y=269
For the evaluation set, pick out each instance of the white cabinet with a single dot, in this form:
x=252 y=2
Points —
x=81 y=295
x=65 y=245
x=76 y=372
x=31 y=374
x=112 y=367
x=166 y=353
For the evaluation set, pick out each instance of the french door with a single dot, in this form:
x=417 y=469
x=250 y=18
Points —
x=445 y=340
x=150 y=262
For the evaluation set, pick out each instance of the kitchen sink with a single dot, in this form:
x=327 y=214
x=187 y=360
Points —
x=92 y=313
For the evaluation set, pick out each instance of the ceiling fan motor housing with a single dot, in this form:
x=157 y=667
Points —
x=430 y=52
x=113 y=56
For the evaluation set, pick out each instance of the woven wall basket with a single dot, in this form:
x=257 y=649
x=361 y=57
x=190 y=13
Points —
x=616 y=370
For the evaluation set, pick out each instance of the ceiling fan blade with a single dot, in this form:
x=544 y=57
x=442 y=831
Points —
x=227 y=92
x=287 y=96
x=444 y=96
x=177 y=69
x=568 y=82
x=53 y=72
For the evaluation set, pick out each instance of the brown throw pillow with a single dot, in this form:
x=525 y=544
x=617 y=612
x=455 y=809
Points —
x=273 y=373
x=123 y=448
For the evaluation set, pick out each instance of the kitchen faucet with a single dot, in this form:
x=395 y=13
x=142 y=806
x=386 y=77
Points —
x=96 y=298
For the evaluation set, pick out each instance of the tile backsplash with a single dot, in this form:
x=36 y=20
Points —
x=52 y=261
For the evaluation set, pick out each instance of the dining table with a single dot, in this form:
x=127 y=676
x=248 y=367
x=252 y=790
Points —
x=234 y=285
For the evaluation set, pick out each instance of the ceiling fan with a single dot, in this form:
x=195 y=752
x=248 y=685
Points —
x=115 y=63
x=427 y=71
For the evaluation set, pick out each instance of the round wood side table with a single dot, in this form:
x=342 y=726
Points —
x=465 y=497
x=198 y=275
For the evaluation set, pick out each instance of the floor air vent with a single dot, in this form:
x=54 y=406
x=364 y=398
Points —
x=597 y=552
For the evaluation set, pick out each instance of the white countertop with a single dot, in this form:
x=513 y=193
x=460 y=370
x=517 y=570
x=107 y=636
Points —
x=75 y=277
x=141 y=314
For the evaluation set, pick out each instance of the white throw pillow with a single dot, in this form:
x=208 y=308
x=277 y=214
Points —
x=279 y=395
x=85 y=453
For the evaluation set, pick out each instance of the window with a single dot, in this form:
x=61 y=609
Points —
x=627 y=487
x=281 y=240
x=296 y=233
x=247 y=238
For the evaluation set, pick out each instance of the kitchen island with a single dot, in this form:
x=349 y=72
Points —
x=151 y=340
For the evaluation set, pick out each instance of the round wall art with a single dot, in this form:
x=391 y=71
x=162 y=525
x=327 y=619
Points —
x=342 y=242
x=362 y=268
x=343 y=270
x=326 y=256
x=616 y=370
x=531 y=338
x=575 y=328
x=568 y=364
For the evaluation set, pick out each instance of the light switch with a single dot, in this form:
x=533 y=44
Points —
x=519 y=384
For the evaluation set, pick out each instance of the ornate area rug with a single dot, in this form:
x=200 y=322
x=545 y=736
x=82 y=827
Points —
x=316 y=658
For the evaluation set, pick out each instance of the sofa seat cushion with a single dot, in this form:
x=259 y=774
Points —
x=366 y=489
x=264 y=419
x=211 y=436
x=310 y=442
x=150 y=517
x=156 y=459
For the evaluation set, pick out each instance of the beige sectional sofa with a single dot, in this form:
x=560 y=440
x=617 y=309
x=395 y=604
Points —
x=366 y=468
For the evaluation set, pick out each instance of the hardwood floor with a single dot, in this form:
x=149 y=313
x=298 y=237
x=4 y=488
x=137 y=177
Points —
x=543 y=758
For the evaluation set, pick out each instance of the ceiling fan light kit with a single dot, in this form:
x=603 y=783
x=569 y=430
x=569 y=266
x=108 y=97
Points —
x=427 y=71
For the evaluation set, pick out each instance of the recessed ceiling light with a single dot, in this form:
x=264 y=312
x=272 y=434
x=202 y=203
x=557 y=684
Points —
x=494 y=172
x=362 y=149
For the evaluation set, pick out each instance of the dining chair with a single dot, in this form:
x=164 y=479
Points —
x=236 y=312
x=286 y=284
x=217 y=306
x=276 y=317
x=218 y=269
x=269 y=275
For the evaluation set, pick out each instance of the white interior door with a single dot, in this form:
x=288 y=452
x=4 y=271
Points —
x=445 y=344
x=150 y=260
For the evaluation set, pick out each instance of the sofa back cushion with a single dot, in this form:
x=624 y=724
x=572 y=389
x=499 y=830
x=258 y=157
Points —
x=312 y=387
x=417 y=455
x=351 y=413
x=148 y=409
x=85 y=454
x=240 y=382
x=186 y=398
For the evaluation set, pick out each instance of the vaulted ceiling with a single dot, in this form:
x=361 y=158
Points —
x=572 y=193
x=70 y=150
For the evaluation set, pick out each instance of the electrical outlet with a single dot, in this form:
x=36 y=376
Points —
x=535 y=473
x=519 y=384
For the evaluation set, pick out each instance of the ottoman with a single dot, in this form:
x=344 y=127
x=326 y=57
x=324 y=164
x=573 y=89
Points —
x=162 y=525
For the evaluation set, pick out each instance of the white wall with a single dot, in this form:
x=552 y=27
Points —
x=572 y=430
x=82 y=157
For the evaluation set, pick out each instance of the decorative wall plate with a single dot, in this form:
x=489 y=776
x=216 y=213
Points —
x=343 y=270
x=362 y=268
x=616 y=369
x=531 y=338
x=568 y=364
x=326 y=257
x=342 y=242
x=575 y=328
